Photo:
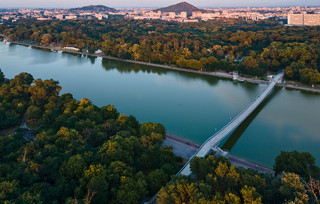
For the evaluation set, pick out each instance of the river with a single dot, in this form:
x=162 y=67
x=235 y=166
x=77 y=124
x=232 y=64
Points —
x=191 y=106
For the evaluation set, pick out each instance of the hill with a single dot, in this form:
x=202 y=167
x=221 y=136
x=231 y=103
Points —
x=180 y=7
x=96 y=8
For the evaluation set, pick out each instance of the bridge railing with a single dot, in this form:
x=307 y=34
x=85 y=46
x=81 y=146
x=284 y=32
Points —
x=254 y=100
x=188 y=162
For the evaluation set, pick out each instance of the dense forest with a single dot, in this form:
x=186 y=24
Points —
x=77 y=152
x=215 y=180
x=251 y=48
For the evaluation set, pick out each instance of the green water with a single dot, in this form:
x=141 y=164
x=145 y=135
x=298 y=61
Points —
x=189 y=105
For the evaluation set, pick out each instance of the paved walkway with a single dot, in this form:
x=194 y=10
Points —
x=225 y=131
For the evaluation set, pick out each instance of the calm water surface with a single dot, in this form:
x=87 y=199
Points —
x=189 y=105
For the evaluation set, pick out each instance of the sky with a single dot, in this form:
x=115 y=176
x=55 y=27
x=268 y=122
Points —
x=152 y=3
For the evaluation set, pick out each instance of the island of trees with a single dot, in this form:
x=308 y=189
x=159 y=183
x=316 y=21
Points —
x=251 y=48
x=77 y=152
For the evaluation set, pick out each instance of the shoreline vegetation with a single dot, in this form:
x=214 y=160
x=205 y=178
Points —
x=82 y=152
x=76 y=149
x=230 y=45
x=184 y=148
x=193 y=146
x=220 y=74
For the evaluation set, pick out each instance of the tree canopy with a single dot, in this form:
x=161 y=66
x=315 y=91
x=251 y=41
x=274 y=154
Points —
x=215 y=180
x=79 y=152
x=252 y=48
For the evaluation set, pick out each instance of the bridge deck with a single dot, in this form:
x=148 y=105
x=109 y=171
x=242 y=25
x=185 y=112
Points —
x=225 y=131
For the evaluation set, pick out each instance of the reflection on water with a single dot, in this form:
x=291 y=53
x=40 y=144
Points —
x=190 y=105
x=124 y=68
x=92 y=59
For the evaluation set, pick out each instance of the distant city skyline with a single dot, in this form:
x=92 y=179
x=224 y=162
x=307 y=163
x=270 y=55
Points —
x=152 y=4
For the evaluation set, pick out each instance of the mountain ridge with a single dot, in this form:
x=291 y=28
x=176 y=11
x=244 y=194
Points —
x=180 y=7
x=95 y=8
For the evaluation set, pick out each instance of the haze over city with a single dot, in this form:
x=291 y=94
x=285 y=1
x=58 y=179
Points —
x=148 y=3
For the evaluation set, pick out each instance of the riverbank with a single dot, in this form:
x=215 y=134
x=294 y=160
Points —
x=216 y=74
x=301 y=88
x=186 y=148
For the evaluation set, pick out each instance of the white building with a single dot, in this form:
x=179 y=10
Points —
x=70 y=17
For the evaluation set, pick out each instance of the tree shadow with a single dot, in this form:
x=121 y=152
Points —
x=128 y=67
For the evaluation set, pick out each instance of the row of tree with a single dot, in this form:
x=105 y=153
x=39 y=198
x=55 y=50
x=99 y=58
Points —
x=252 y=48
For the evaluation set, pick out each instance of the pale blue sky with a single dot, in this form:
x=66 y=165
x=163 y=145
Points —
x=154 y=3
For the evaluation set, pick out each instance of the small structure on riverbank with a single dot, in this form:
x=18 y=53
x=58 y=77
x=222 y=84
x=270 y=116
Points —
x=235 y=76
x=98 y=52
x=270 y=77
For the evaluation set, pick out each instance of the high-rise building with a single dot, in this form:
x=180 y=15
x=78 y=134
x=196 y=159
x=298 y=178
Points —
x=183 y=15
x=172 y=14
x=303 y=19
x=196 y=14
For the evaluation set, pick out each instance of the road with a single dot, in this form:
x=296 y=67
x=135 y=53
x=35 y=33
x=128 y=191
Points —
x=225 y=131
x=246 y=164
x=217 y=74
x=299 y=88
x=181 y=147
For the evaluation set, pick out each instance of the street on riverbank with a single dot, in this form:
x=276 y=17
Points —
x=216 y=74
x=186 y=149
x=181 y=147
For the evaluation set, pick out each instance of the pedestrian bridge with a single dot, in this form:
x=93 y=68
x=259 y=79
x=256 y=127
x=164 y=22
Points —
x=215 y=139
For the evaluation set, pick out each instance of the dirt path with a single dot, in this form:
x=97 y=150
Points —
x=11 y=130
x=24 y=122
